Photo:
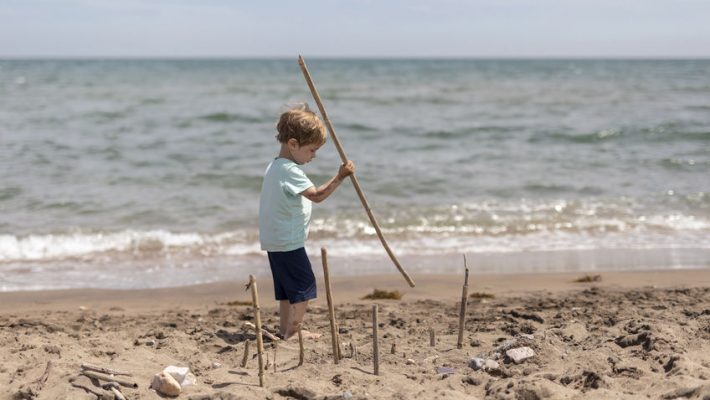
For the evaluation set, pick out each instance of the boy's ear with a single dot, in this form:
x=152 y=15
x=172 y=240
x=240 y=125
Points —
x=292 y=143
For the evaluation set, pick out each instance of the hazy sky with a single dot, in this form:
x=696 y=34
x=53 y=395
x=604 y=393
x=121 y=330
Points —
x=355 y=28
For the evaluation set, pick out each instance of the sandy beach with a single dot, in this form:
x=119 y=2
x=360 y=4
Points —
x=629 y=335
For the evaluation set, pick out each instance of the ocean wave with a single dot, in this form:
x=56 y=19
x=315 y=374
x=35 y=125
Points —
x=107 y=116
x=485 y=226
x=9 y=193
x=666 y=132
x=357 y=127
x=579 y=138
x=129 y=243
x=225 y=117
x=684 y=164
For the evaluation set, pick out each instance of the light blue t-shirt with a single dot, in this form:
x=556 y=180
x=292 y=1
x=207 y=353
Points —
x=283 y=213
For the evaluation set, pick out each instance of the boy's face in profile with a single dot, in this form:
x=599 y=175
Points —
x=302 y=154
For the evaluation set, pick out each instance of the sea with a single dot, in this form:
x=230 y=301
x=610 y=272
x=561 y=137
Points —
x=132 y=173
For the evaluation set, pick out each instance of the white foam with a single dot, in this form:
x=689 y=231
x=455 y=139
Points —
x=482 y=227
x=136 y=243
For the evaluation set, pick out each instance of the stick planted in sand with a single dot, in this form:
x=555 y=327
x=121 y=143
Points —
x=462 y=313
x=300 y=346
x=375 y=342
x=353 y=178
x=432 y=337
x=245 y=357
x=353 y=350
x=257 y=319
x=331 y=310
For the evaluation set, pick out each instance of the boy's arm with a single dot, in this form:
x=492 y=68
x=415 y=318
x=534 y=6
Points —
x=317 y=195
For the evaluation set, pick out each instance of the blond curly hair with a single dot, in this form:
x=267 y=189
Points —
x=302 y=124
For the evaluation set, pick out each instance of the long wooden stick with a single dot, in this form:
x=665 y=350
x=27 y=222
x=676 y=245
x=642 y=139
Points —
x=353 y=178
x=464 y=300
x=257 y=319
x=331 y=310
x=375 y=342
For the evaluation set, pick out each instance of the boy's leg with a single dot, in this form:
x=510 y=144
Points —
x=295 y=278
x=295 y=317
x=284 y=312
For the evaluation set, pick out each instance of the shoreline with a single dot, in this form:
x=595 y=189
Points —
x=347 y=289
x=167 y=272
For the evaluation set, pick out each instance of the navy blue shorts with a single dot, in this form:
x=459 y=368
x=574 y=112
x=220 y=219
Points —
x=293 y=276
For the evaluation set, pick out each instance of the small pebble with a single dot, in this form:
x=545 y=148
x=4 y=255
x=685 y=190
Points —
x=520 y=354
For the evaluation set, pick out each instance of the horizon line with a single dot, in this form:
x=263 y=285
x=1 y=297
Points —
x=356 y=57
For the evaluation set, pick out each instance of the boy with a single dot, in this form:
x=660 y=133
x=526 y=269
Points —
x=285 y=211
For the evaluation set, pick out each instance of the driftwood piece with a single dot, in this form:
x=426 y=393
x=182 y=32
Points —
x=32 y=390
x=258 y=330
x=45 y=375
x=264 y=333
x=109 y=378
x=102 y=395
x=103 y=370
x=249 y=326
x=331 y=309
x=375 y=342
x=114 y=388
x=464 y=301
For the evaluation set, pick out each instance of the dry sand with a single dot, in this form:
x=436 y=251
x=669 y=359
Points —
x=629 y=336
